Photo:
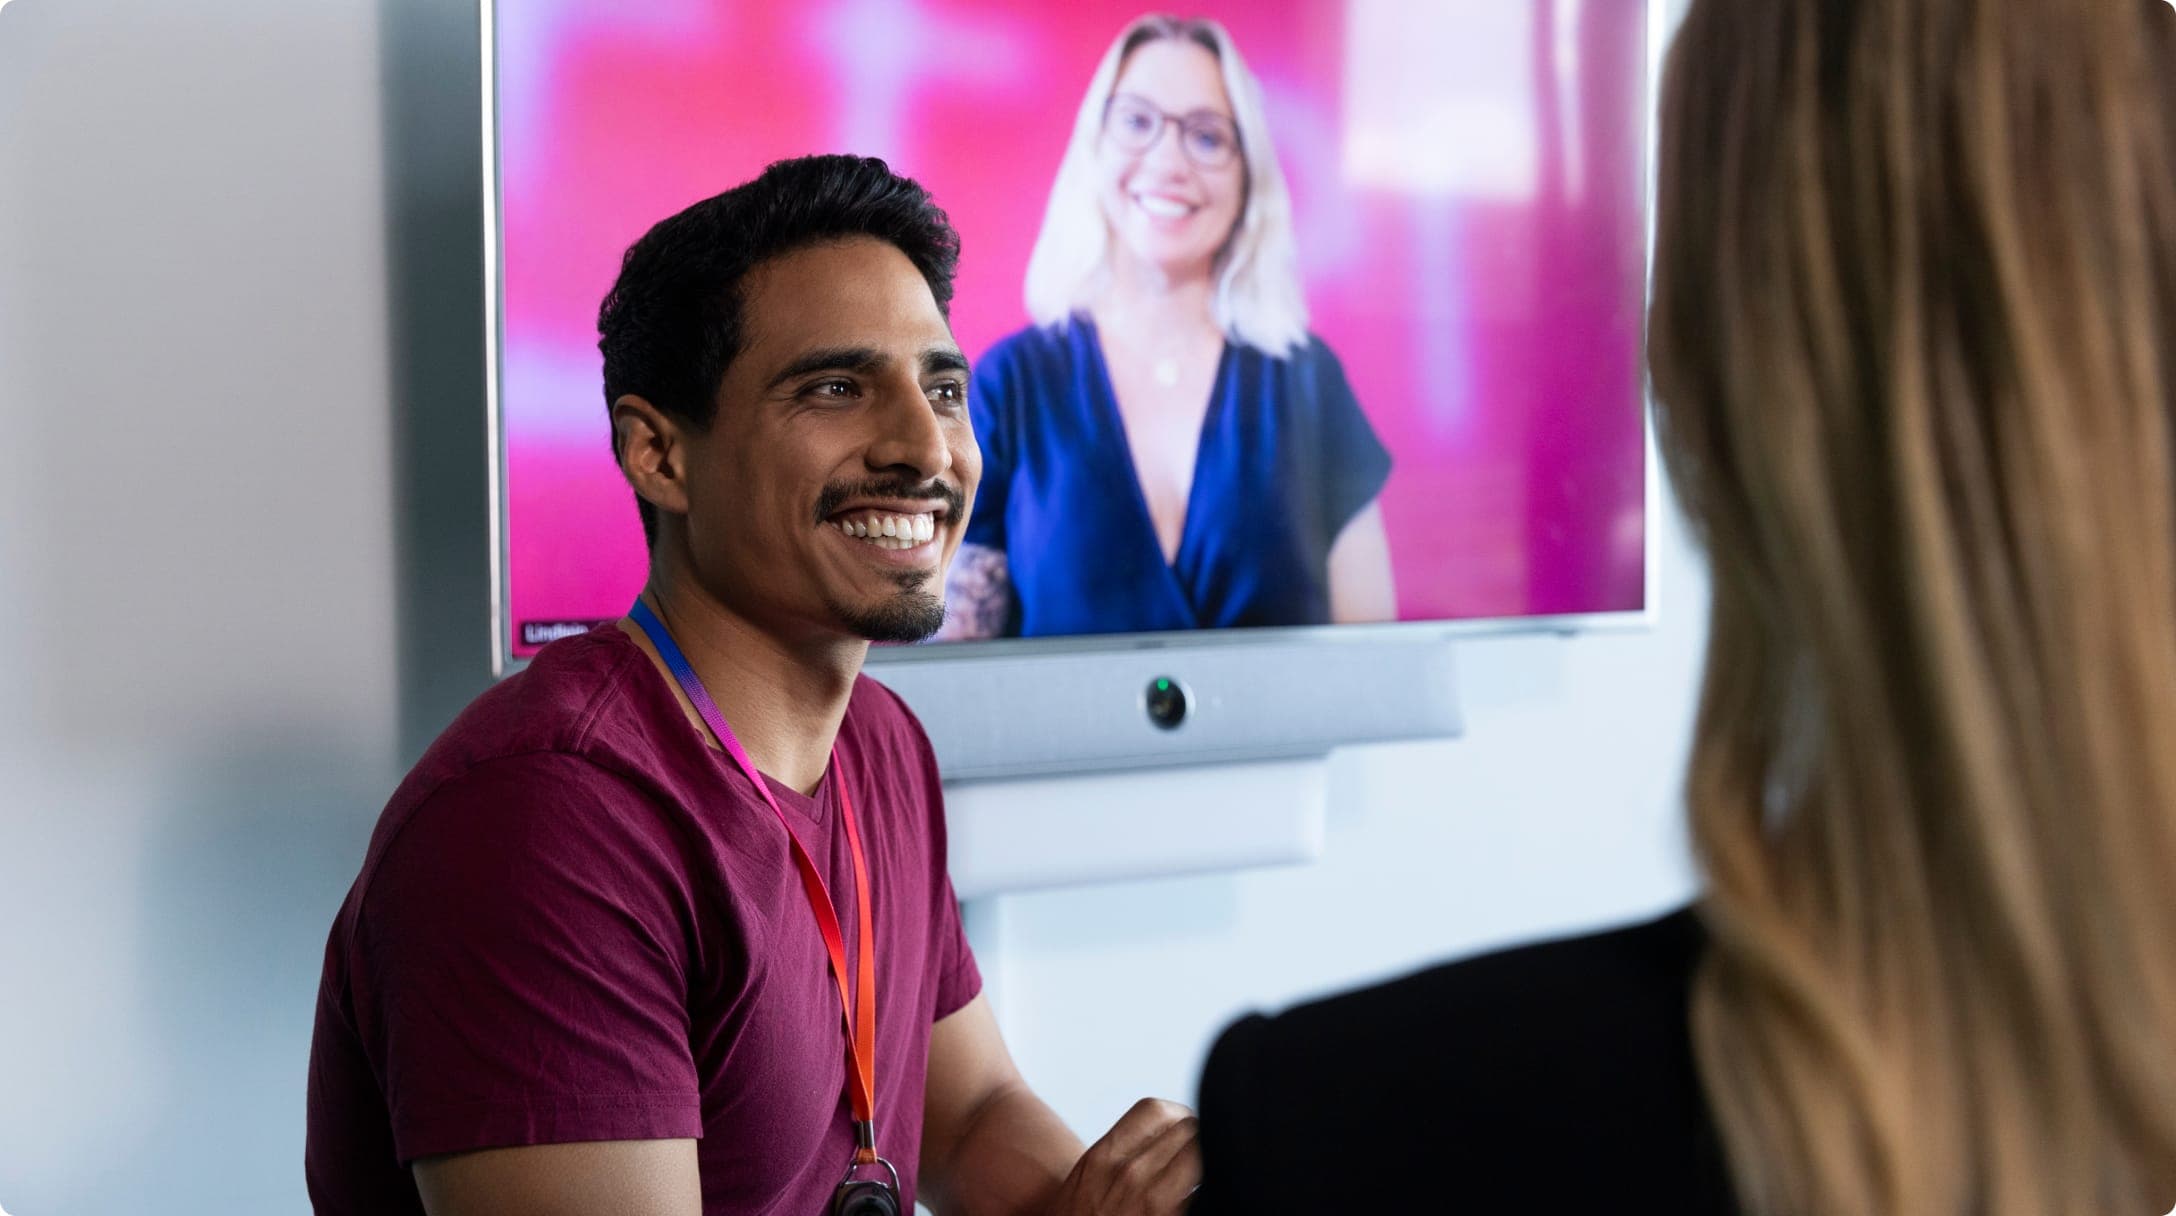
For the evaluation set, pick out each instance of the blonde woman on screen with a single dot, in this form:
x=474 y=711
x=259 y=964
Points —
x=1166 y=446
x=1914 y=350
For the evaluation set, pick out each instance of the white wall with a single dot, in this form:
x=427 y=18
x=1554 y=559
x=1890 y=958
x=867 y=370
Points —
x=209 y=558
x=240 y=510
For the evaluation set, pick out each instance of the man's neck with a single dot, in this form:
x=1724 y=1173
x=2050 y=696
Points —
x=783 y=698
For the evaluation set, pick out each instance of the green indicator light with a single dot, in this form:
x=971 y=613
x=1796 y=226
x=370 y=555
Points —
x=1163 y=686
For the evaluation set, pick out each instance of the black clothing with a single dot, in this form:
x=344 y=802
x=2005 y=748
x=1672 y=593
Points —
x=1552 y=1078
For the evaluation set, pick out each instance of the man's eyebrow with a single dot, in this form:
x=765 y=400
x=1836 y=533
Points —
x=829 y=359
x=943 y=359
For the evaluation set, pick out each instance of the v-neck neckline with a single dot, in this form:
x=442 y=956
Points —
x=1115 y=415
x=810 y=806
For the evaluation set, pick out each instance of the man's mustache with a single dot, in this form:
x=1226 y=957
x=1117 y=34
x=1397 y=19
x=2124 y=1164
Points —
x=837 y=496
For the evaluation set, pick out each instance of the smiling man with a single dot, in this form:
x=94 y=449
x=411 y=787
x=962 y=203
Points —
x=661 y=926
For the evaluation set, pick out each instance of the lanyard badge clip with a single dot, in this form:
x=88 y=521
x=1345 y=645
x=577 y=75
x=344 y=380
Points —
x=863 y=1197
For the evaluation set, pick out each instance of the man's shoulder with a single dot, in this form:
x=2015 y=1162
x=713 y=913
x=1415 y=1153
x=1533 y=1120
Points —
x=573 y=701
x=540 y=766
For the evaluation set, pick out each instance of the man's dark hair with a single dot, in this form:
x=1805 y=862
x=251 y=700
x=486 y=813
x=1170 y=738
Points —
x=672 y=323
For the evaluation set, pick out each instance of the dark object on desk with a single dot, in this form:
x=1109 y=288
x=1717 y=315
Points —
x=1556 y=1078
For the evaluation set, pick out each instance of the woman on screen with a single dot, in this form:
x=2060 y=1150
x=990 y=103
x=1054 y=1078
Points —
x=1166 y=446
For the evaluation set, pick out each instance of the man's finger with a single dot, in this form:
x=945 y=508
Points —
x=1176 y=1156
x=1141 y=1126
x=1140 y=1178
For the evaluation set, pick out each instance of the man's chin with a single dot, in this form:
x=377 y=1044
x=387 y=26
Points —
x=910 y=617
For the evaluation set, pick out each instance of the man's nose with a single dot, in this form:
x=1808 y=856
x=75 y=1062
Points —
x=909 y=435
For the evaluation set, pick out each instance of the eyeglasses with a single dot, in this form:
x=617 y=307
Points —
x=1208 y=139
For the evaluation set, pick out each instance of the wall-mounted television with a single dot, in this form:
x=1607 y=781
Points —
x=1415 y=231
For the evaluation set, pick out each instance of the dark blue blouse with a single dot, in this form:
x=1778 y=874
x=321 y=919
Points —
x=1286 y=460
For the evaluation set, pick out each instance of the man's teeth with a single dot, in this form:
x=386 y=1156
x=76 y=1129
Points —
x=890 y=531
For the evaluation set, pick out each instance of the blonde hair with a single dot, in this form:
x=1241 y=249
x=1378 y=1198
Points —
x=1258 y=298
x=1915 y=297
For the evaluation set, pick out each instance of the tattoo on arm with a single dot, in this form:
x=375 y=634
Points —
x=977 y=594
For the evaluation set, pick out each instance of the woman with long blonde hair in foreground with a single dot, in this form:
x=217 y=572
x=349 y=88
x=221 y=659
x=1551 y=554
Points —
x=1912 y=338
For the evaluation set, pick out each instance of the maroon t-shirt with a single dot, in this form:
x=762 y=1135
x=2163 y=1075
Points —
x=578 y=921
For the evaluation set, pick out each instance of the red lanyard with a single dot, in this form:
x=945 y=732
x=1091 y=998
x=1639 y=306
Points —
x=860 y=1007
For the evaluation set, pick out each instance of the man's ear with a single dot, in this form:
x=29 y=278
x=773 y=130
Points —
x=652 y=450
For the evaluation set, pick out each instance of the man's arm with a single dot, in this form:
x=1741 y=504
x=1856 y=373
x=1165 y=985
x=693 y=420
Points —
x=604 y=1178
x=990 y=1147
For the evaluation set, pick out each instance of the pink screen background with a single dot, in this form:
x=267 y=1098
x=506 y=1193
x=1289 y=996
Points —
x=1468 y=188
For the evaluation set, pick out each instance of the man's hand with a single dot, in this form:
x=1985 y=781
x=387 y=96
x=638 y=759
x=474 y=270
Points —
x=990 y=1147
x=1148 y=1164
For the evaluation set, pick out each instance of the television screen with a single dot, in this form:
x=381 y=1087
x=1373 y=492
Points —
x=1305 y=312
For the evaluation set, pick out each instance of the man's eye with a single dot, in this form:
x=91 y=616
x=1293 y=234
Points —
x=950 y=392
x=831 y=389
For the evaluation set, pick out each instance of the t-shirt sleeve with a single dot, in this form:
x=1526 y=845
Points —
x=959 y=980
x=1355 y=464
x=992 y=393
x=522 y=957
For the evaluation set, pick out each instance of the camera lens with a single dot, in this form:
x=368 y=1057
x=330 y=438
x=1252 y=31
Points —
x=1167 y=701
